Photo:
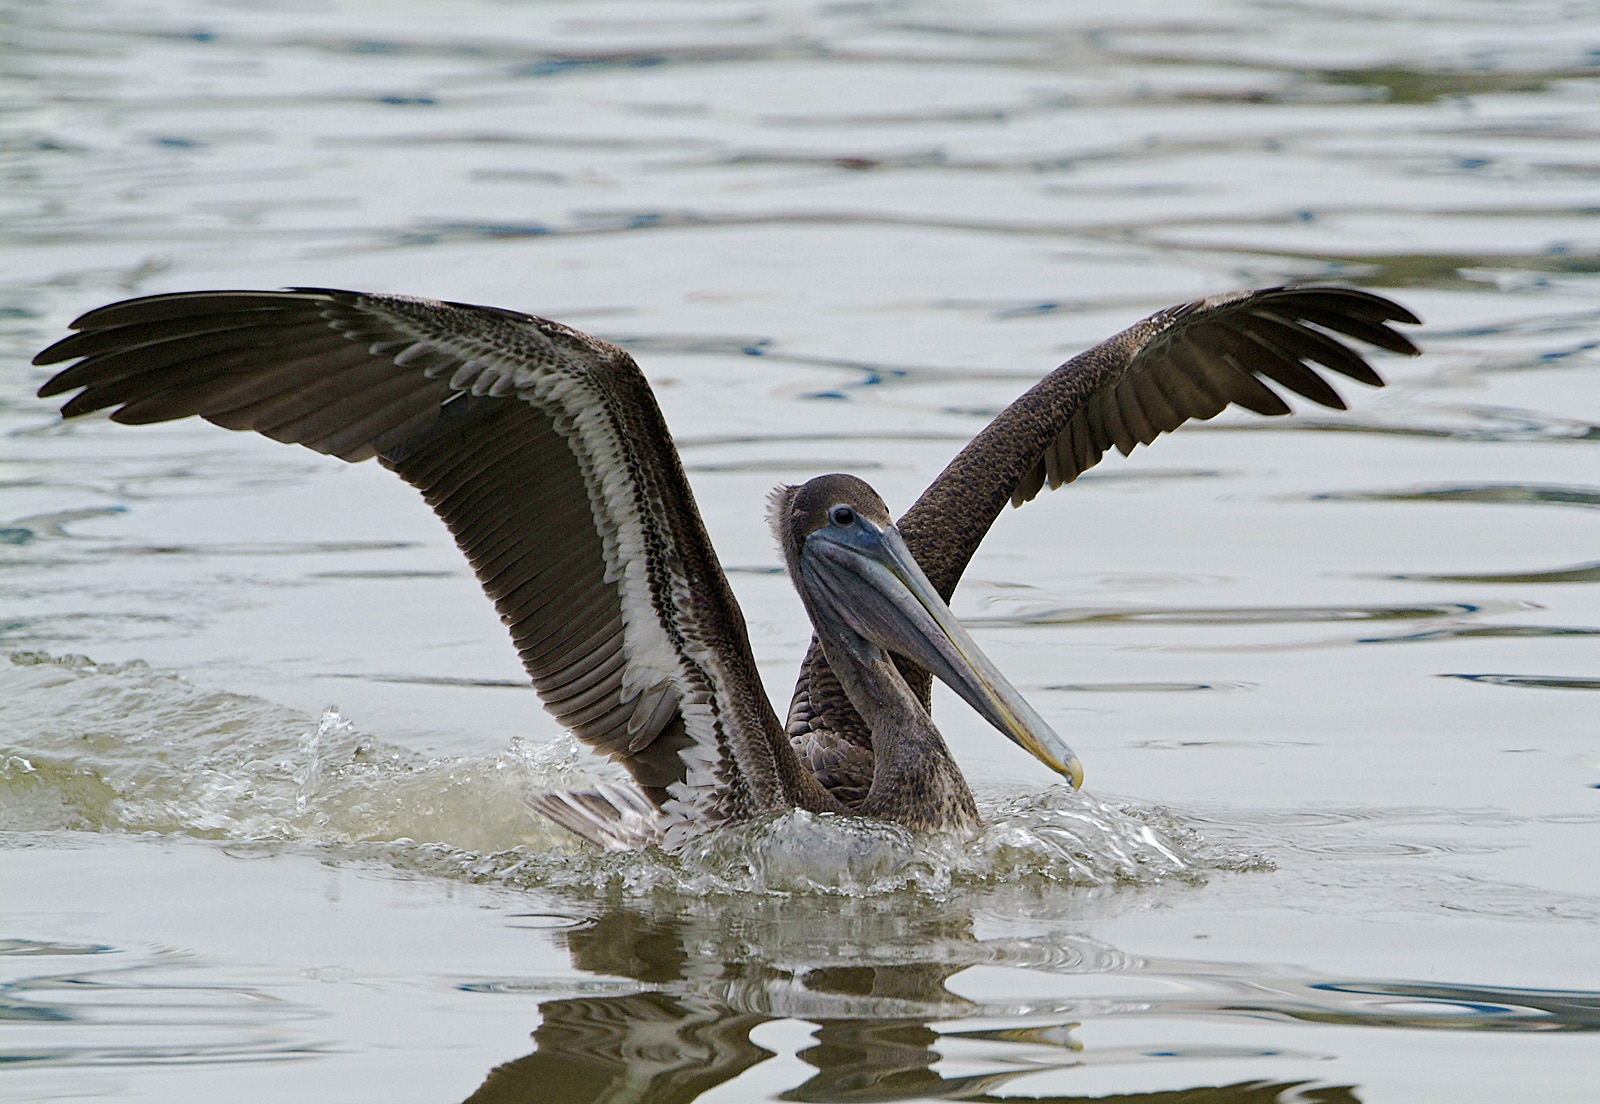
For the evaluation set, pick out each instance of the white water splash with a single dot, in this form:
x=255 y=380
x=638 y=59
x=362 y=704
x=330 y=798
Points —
x=309 y=776
x=169 y=758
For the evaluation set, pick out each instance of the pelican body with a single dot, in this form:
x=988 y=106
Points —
x=544 y=452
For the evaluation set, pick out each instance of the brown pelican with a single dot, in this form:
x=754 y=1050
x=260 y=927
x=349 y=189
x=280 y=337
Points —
x=545 y=453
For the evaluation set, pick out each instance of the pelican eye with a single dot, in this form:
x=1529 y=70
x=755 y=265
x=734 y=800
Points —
x=842 y=516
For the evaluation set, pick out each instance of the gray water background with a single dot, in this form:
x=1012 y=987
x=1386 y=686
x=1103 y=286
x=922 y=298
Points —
x=1331 y=676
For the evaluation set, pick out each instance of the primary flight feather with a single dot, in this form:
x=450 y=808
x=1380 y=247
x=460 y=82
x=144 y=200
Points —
x=544 y=451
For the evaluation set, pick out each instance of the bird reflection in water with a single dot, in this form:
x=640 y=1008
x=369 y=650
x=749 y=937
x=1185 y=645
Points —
x=658 y=1047
x=671 y=1045
x=717 y=974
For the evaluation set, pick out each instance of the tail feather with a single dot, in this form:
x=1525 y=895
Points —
x=612 y=817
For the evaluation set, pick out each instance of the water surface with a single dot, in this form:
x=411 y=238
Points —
x=1331 y=676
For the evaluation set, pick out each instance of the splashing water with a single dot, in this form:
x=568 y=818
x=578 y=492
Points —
x=309 y=776
x=125 y=748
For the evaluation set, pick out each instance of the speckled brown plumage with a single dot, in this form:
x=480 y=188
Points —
x=545 y=453
x=902 y=771
x=827 y=733
x=1186 y=362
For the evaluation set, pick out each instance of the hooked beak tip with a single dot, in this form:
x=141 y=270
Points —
x=1070 y=767
x=1073 y=770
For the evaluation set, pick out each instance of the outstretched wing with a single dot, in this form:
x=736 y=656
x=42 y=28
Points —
x=544 y=452
x=1182 y=363
x=1185 y=362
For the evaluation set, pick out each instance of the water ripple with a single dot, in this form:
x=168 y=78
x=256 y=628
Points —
x=1578 y=573
x=1244 y=615
x=83 y=1018
x=1494 y=494
x=1534 y=682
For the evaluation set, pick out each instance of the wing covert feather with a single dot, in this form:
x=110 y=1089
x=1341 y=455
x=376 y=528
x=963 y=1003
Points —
x=1188 y=362
x=543 y=451
x=1185 y=363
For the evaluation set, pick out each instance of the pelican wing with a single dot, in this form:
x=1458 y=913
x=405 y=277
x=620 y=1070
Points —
x=1186 y=362
x=545 y=453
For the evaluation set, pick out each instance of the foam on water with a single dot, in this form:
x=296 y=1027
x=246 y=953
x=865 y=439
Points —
x=124 y=748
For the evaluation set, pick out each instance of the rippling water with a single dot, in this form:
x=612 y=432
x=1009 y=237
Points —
x=837 y=237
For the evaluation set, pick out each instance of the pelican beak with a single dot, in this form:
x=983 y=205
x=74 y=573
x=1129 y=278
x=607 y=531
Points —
x=867 y=578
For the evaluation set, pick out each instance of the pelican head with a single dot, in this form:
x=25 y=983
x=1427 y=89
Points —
x=864 y=592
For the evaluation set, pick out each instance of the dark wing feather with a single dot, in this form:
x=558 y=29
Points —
x=1183 y=363
x=829 y=736
x=544 y=452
